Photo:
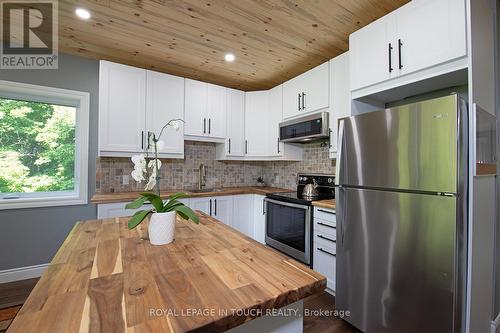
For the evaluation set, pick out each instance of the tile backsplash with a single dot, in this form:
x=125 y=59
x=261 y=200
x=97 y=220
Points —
x=183 y=174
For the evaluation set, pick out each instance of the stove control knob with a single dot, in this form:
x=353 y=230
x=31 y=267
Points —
x=330 y=180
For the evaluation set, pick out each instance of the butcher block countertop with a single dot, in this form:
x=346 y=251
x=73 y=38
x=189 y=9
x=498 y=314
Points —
x=100 y=198
x=107 y=278
x=328 y=204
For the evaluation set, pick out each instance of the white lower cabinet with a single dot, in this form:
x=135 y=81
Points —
x=259 y=219
x=325 y=246
x=222 y=209
x=243 y=214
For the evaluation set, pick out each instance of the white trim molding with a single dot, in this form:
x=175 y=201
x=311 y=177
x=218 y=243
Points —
x=81 y=101
x=22 y=273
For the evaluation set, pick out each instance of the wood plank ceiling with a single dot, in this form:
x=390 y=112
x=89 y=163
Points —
x=273 y=40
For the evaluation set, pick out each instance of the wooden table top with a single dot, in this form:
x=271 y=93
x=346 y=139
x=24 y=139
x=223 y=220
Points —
x=107 y=278
x=328 y=204
x=130 y=196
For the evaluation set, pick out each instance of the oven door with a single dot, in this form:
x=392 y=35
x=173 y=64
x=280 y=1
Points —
x=288 y=228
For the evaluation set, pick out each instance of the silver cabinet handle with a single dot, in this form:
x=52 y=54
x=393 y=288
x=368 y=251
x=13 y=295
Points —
x=325 y=251
x=325 y=211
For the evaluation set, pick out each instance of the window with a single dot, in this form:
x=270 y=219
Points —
x=43 y=146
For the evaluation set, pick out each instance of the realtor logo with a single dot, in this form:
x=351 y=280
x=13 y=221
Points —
x=29 y=35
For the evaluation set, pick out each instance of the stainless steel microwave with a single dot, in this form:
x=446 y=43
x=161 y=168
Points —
x=304 y=129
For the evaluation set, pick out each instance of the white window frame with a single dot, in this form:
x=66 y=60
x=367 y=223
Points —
x=81 y=101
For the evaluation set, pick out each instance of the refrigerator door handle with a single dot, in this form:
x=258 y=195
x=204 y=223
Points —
x=340 y=146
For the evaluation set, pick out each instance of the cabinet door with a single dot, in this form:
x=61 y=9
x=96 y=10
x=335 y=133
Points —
x=216 y=111
x=340 y=95
x=431 y=32
x=243 y=214
x=235 y=111
x=324 y=262
x=275 y=116
x=259 y=219
x=165 y=101
x=291 y=98
x=195 y=113
x=371 y=50
x=122 y=104
x=256 y=123
x=314 y=85
x=222 y=209
x=202 y=204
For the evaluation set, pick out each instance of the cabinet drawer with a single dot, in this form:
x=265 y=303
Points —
x=325 y=214
x=325 y=239
x=324 y=263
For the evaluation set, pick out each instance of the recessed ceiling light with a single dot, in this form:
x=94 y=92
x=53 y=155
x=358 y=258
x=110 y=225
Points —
x=82 y=13
x=229 y=57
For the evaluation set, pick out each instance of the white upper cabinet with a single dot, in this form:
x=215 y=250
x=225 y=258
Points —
x=274 y=117
x=430 y=32
x=122 y=103
x=415 y=39
x=235 y=113
x=306 y=93
x=195 y=108
x=372 y=53
x=256 y=124
x=216 y=111
x=340 y=96
x=165 y=101
x=205 y=110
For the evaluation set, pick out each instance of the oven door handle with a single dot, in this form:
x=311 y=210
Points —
x=288 y=204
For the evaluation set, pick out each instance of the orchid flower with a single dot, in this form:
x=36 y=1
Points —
x=141 y=165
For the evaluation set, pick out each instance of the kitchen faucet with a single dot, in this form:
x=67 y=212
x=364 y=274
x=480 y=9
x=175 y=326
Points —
x=202 y=179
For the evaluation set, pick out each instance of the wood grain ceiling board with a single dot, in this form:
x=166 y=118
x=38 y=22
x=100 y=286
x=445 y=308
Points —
x=273 y=40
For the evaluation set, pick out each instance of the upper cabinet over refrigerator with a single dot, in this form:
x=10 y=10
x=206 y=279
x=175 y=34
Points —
x=306 y=93
x=422 y=39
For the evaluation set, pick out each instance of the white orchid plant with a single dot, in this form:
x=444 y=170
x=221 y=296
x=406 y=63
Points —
x=144 y=165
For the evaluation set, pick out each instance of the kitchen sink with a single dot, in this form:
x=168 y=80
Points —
x=206 y=190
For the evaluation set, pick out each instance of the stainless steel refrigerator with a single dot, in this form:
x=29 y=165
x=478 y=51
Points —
x=401 y=217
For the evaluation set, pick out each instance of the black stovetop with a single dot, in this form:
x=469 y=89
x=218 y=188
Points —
x=325 y=187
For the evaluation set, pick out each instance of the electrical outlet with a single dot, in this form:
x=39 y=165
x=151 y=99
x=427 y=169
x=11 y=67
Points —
x=125 y=179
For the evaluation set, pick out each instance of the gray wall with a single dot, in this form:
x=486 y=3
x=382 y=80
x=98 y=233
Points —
x=32 y=236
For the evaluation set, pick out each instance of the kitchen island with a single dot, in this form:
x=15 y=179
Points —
x=107 y=278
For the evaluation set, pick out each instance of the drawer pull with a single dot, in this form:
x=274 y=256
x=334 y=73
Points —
x=325 y=211
x=325 y=251
x=326 y=225
x=327 y=238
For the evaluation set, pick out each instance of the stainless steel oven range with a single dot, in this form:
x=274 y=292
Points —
x=289 y=215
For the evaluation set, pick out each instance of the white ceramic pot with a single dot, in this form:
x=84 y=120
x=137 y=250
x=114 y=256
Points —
x=161 y=228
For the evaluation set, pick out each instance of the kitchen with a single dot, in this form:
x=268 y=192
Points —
x=262 y=160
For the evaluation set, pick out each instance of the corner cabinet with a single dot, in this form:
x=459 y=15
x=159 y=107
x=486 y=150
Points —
x=205 y=111
x=256 y=124
x=135 y=102
x=306 y=93
x=422 y=39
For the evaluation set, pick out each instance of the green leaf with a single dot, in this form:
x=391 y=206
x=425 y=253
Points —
x=170 y=204
x=138 y=217
x=137 y=203
x=183 y=210
x=184 y=216
x=177 y=195
x=155 y=201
